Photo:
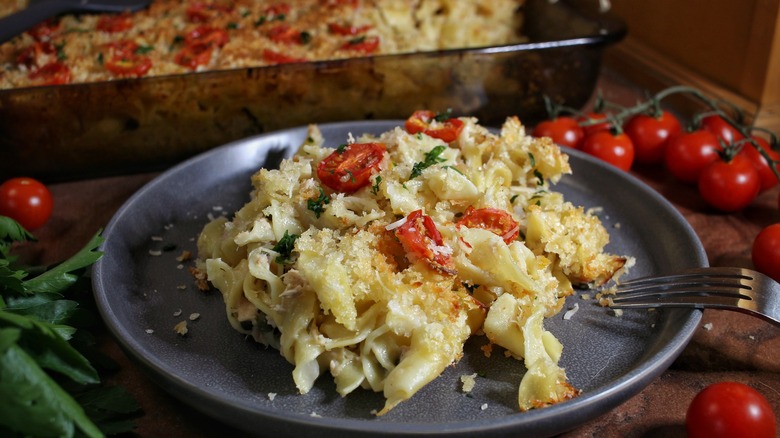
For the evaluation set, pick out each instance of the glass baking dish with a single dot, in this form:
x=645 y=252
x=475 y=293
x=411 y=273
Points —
x=84 y=130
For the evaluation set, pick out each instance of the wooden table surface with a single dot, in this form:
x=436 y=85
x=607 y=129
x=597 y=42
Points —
x=728 y=346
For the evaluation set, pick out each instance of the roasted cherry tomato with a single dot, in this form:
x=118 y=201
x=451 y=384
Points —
x=690 y=152
x=45 y=30
x=721 y=128
x=615 y=149
x=499 y=222
x=766 y=251
x=426 y=122
x=199 y=45
x=274 y=57
x=277 y=10
x=729 y=185
x=34 y=54
x=53 y=73
x=115 y=23
x=285 y=34
x=199 y=12
x=123 y=59
x=650 y=135
x=730 y=410
x=350 y=167
x=362 y=44
x=768 y=177
x=346 y=29
x=26 y=201
x=422 y=241
x=564 y=131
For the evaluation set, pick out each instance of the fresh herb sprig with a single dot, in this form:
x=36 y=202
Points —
x=431 y=157
x=48 y=385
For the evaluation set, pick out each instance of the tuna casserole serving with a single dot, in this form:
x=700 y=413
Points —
x=181 y=36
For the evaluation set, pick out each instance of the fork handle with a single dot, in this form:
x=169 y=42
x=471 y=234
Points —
x=18 y=22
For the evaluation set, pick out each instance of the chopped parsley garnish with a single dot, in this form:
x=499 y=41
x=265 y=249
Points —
x=470 y=287
x=432 y=157
x=512 y=199
x=317 y=205
x=342 y=147
x=61 y=52
x=375 y=187
x=285 y=247
x=539 y=178
x=443 y=117
x=453 y=168
x=232 y=26
x=142 y=50
x=305 y=37
x=357 y=40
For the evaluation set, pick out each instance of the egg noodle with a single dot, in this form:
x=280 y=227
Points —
x=422 y=244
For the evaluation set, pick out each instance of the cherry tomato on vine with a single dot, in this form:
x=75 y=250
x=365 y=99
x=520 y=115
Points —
x=766 y=251
x=651 y=134
x=690 y=152
x=421 y=240
x=499 y=222
x=350 y=167
x=432 y=125
x=730 y=409
x=729 y=185
x=721 y=128
x=26 y=201
x=589 y=118
x=615 y=149
x=765 y=173
x=564 y=131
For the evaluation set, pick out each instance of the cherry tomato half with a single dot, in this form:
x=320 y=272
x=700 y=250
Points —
x=350 y=167
x=766 y=251
x=690 y=152
x=115 y=23
x=273 y=57
x=729 y=185
x=422 y=241
x=564 y=131
x=730 y=409
x=499 y=222
x=123 y=59
x=615 y=149
x=651 y=134
x=26 y=201
x=768 y=177
x=53 y=73
x=721 y=128
x=425 y=121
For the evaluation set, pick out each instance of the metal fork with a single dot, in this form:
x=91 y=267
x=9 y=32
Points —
x=38 y=11
x=739 y=289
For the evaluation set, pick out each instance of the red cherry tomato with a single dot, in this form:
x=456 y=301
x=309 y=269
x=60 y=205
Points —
x=199 y=45
x=766 y=251
x=422 y=241
x=729 y=185
x=721 y=128
x=123 y=59
x=362 y=44
x=425 y=121
x=690 y=152
x=285 y=34
x=564 y=131
x=350 y=167
x=651 y=134
x=347 y=29
x=588 y=125
x=26 y=201
x=273 y=57
x=53 y=73
x=768 y=177
x=615 y=149
x=115 y=23
x=730 y=410
x=499 y=222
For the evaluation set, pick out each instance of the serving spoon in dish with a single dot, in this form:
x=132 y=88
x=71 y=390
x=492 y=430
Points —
x=38 y=11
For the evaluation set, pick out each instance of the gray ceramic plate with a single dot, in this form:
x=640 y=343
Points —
x=217 y=371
